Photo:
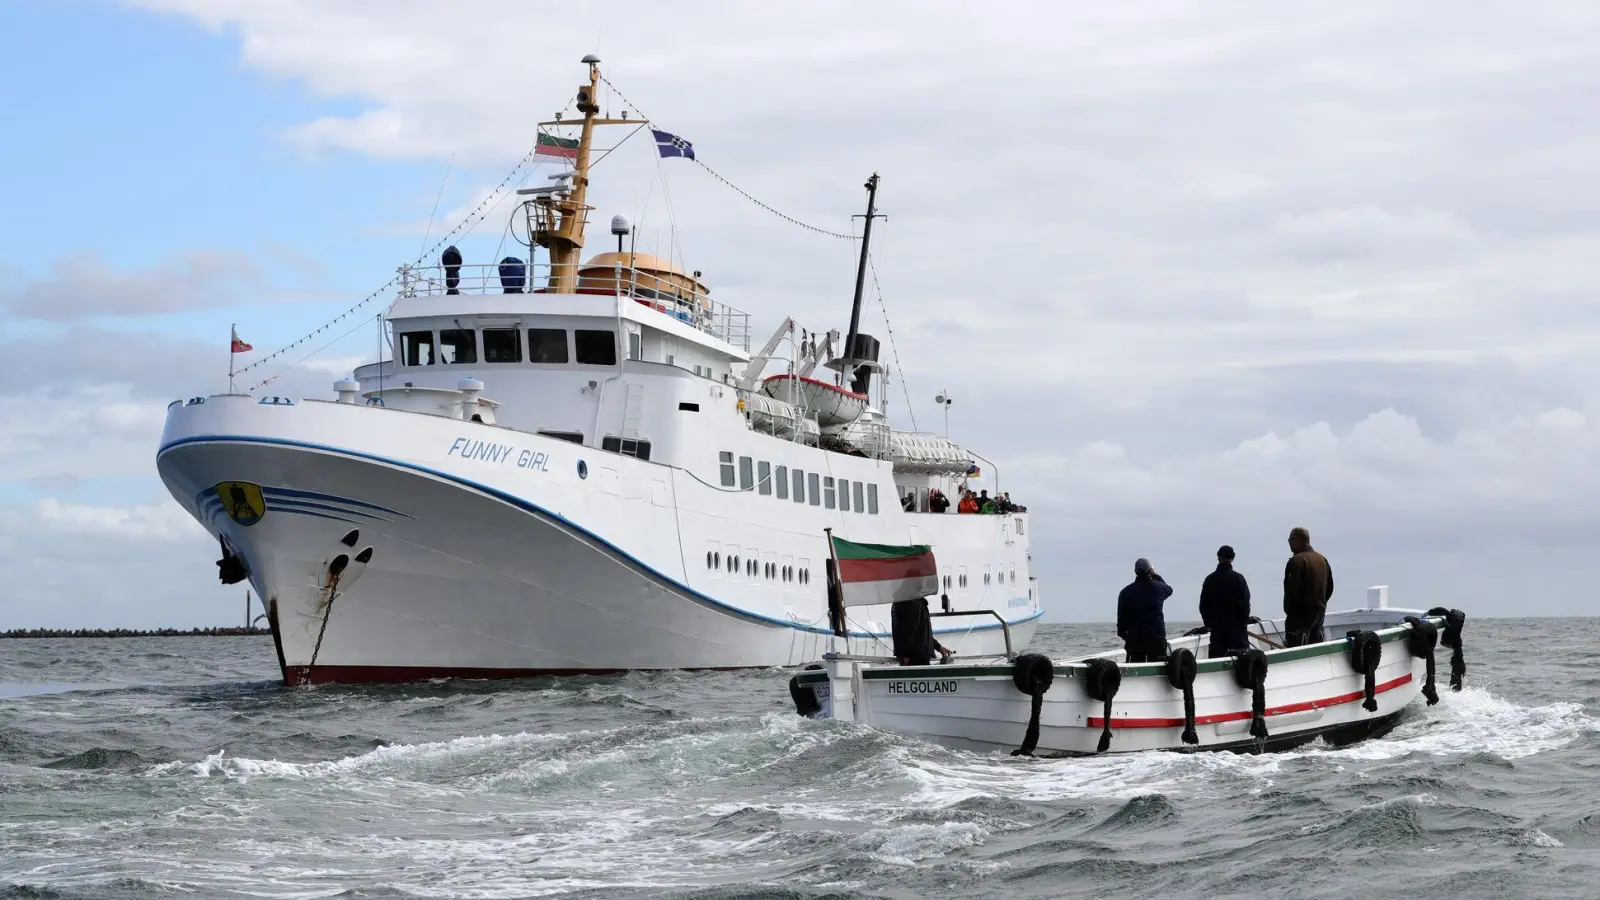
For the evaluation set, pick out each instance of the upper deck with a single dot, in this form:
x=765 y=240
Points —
x=512 y=286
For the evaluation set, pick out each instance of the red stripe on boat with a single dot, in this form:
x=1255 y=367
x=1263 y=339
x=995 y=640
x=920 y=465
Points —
x=922 y=565
x=1214 y=718
x=831 y=387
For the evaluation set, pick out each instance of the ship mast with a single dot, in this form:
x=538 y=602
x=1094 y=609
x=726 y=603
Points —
x=852 y=356
x=560 y=216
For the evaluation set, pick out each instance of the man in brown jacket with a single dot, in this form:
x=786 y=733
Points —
x=1307 y=587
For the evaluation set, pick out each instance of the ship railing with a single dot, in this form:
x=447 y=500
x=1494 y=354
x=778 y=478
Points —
x=666 y=292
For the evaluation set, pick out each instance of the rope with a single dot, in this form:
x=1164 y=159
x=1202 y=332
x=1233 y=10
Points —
x=471 y=219
x=893 y=348
x=739 y=190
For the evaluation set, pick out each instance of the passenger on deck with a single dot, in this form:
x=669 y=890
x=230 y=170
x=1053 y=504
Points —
x=909 y=504
x=1225 y=606
x=937 y=501
x=968 y=504
x=986 y=503
x=912 y=627
x=1307 y=588
x=1140 y=621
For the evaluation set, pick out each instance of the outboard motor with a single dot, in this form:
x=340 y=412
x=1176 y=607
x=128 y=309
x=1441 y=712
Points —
x=513 y=275
x=865 y=347
x=451 y=260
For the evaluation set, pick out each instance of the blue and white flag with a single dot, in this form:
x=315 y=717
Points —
x=672 y=145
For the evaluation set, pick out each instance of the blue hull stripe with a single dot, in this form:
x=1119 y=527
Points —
x=556 y=519
x=212 y=508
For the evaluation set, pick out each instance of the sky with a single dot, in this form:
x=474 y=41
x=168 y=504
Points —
x=1193 y=272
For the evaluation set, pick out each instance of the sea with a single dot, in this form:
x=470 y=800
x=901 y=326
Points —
x=181 y=767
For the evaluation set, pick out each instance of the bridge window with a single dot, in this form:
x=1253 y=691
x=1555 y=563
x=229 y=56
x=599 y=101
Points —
x=458 y=346
x=857 y=487
x=799 y=486
x=416 y=348
x=500 y=345
x=872 y=499
x=596 y=348
x=726 y=459
x=816 y=491
x=780 y=480
x=626 y=446
x=764 y=482
x=571 y=437
x=827 y=493
x=747 y=473
x=547 y=345
x=844 y=495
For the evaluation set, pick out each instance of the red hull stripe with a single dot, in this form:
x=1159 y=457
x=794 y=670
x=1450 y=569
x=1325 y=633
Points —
x=1214 y=718
x=922 y=565
x=831 y=387
x=295 y=675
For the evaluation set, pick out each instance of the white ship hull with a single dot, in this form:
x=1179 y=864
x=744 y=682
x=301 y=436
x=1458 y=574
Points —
x=499 y=553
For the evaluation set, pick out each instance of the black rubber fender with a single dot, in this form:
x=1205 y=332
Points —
x=1366 y=651
x=1454 y=621
x=1423 y=638
x=1181 y=671
x=1250 y=673
x=1033 y=674
x=1101 y=682
x=805 y=699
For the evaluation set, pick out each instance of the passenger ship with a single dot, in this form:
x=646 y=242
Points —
x=577 y=467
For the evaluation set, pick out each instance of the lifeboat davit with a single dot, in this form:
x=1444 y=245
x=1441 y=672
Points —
x=831 y=404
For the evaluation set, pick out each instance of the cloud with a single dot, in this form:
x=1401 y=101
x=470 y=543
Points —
x=165 y=522
x=1193 y=272
x=83 y=286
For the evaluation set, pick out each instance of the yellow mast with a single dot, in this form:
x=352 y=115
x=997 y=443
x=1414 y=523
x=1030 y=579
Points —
x=561 y=219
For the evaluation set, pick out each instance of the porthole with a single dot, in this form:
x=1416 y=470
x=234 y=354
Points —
x=709 y=563
x=583 y=469
x=716 y=559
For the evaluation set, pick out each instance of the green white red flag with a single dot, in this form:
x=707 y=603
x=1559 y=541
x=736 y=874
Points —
x=870 y=574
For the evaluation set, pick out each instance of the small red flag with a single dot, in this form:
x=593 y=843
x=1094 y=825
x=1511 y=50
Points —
x=240 y=346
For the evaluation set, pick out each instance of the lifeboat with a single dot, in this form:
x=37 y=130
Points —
x=650 y=280
x=832 y=405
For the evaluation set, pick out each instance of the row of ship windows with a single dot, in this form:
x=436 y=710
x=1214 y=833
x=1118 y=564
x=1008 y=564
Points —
x=821 y=490
x=989 y=577
x=754 y=568
x=459 y=346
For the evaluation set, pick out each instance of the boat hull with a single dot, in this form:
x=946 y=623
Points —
x=444 y=575
x=1311 y=692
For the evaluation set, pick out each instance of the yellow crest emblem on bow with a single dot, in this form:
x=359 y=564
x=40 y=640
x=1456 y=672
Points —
x=242 y=501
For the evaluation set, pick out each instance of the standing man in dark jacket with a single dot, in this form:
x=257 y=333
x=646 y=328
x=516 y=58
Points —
x=912 y=630
x=1140 y=622
x=1307 y=587
x=1225 y=606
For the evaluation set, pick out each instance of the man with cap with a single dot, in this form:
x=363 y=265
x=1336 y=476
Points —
x=1225 y=606
x=1140 y=621
x=1307 y=588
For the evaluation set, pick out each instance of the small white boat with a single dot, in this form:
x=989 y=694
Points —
x=832 y=405
x=1350 y=687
